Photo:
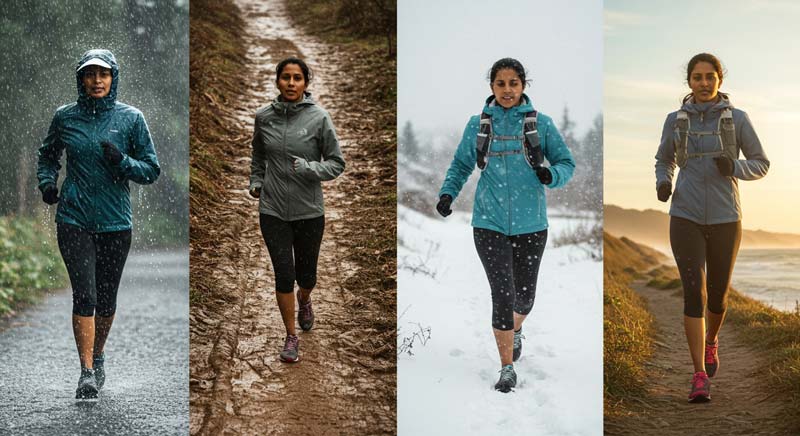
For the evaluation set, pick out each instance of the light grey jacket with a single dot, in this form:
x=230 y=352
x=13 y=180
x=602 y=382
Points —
x=701 y=193
x=284 y=132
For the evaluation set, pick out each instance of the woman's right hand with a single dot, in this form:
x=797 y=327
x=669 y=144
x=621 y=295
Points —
x=443 y=207
x=50 y=193
x=256 y=192
x=664 y=191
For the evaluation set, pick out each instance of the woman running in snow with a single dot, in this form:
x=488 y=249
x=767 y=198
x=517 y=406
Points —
x=509 y=142
x=704 y=139
x=108 y=145
x=294 y=149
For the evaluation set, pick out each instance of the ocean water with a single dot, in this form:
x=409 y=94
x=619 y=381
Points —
x=771 y=276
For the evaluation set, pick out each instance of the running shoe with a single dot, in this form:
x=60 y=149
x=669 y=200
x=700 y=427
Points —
x=305 y=315
x=87 y=385
x=712 y=359
x=517 y=344
x=508 y=379
x=701 y=388
x=99 y=371
x=290 y=349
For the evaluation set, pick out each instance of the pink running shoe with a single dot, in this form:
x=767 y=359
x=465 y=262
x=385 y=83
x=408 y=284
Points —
x=712 y=359
x=701 y=388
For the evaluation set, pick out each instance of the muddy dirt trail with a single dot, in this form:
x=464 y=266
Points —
x=741 y=403
x=238 y=385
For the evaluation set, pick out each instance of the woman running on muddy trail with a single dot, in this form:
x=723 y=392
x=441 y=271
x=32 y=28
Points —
x=108 y=144
x=294 y=149
x=704 y=139
x=508 y=141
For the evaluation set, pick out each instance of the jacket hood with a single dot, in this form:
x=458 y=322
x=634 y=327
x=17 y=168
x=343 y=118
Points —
x=724 y=102
x=290 y=107
x=492 y=108
x=107 y=102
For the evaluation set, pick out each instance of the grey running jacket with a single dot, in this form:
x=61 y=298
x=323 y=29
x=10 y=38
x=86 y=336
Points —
x=284 y=132
x=701 y=193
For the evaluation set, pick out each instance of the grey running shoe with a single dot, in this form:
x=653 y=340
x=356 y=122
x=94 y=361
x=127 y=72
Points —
x=99 y=371
x=290 y=349
x=305 y=315
x=87 y=385
x=518 y=344
x=508 y=379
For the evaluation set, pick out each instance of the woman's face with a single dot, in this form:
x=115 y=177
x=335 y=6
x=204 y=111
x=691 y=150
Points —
x=292 y=83
x=704 y=82
x=507 y=88
x=97 y=81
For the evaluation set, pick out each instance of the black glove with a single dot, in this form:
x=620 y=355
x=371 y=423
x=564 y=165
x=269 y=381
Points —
x=111 y=152
x=50 y=193
x=444 y=205
x=724 y=165
x=544 y=175
x=664 y=191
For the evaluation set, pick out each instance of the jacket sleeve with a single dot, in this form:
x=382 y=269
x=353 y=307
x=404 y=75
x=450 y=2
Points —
x=332 y=163
x=755 y=165
x=665 y=156
x=50 y=154
x=257 y=158
x=464 y=160
x=141 y=166
x=562 y=164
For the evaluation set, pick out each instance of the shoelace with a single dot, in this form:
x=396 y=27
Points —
x=698 y=381
x=518 y=339
x=506 y=373
x=711 y=350
x=291 y=343
x=305 y=310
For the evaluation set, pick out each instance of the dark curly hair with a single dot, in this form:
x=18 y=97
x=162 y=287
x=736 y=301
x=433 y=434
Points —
x=703 y=57
x=293 y=60
x=512 y=64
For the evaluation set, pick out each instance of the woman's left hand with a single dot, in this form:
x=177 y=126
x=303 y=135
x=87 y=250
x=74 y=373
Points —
x=299 y=164
x=724 y=165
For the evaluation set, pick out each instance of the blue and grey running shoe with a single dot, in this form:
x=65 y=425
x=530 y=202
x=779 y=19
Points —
x=508 y=379
x=87 y=385
x=99 y=370
x=518 y=344
x=290 y=349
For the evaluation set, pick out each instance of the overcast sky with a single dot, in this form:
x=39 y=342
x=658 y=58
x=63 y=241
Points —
x=446 y=48
x=648 y=45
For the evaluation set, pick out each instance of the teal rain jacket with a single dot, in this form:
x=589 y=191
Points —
x=701 y=193
x=509 y=199
x=285 y=132
x=95 y=194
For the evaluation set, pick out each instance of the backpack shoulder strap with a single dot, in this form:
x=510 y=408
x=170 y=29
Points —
x=727 y=134
x=681 y=138
x=484 y=140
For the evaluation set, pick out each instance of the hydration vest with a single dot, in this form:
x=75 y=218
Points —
x=531 y=147
x=726 y=133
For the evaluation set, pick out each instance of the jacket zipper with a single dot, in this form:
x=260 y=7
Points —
x=286 y=153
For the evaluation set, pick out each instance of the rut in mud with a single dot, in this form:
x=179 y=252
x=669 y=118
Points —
x=345 y=381
x=741 y=402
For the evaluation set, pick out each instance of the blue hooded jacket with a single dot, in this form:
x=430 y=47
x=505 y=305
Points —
x=702 y=194
x=509 y=198
x=95 y=195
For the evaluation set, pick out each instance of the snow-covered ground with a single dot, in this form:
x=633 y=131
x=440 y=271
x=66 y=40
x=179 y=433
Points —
x=446 y=386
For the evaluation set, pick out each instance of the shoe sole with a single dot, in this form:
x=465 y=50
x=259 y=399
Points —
x=305 y=329
x=504 y=389
x=285 y=360
x=86 y=394
x=700 y=399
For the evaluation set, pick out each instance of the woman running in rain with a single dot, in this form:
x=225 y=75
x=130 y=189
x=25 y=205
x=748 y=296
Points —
x=704 y=139
x=108 y=145
x=294 y=149
x=508 y=142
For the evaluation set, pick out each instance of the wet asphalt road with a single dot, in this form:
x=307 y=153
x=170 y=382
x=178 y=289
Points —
x=147 y=360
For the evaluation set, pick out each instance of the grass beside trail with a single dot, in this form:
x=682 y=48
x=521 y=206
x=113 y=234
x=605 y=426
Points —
x=29 y=263
x=215 y=70
x=627 y=325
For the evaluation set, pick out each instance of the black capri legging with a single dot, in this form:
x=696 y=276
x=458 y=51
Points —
x=512 y=267
x=294 y=249
x=94 y=263
x=697 y=246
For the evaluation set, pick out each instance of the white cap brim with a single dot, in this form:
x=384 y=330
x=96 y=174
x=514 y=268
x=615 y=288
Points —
x=95 y=61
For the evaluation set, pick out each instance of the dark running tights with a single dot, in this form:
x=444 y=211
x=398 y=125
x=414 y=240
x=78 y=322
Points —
x=695 y=247
x=94 y=263
x=512 y=266
x=294 y=249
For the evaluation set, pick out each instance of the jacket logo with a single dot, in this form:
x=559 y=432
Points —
x=302 y=132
